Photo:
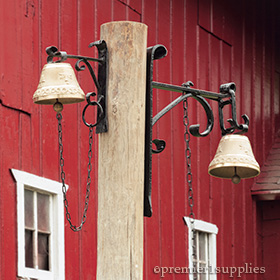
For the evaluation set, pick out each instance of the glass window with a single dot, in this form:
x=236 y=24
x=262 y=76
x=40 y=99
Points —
x=40 y=217
x=202 y=249
x=37 y=229
x=201 y=261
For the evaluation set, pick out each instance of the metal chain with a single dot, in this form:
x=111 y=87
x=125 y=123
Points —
x=189 y=178
x=89 y=168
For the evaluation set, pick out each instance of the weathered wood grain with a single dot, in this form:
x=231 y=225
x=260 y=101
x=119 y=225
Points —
x=121 y=155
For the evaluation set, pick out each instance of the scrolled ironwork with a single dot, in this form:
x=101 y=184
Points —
x=79 y=67
x=160 y=144
x=194 y=129
x=225 y=97
x=82 y=67
x=234 y=125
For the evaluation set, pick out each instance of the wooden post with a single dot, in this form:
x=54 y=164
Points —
x=121 y=155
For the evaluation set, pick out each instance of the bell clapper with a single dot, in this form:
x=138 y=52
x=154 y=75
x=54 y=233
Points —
x=58 y=107
x=235 y=178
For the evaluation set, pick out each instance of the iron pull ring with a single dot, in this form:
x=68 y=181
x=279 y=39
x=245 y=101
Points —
x=99 y=108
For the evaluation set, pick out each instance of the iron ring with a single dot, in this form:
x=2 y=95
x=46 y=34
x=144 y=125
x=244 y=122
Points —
x=99 y=117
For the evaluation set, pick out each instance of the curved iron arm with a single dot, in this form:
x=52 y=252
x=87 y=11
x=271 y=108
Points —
x=194 y=129
x=53 y=52
x=100 y=82
x=79 y=67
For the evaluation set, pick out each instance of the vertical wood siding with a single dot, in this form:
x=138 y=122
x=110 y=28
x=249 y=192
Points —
x=209 y=42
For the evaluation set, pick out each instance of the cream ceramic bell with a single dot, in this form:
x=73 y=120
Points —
x=234 y=159
x=58 y=84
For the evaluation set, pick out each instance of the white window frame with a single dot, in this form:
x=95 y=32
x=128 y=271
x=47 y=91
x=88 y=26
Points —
x=29 y=181
x=212 y=231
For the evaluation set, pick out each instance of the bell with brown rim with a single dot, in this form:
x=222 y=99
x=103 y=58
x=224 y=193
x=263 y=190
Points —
x=58 y=84
x=234 y=159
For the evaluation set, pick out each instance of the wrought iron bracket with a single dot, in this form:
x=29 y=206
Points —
x=100 y=82
x=226 y=96
x=153 y=53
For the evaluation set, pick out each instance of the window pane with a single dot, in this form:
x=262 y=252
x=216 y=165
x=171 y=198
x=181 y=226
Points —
x=28 y=209
x=194 y=270
x=195 y=244
x=202 y=246
x=43 y=211
x=29 y=248
x=43 y=251
x=203 y=274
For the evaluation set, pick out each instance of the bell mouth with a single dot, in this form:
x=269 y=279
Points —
x=227 y=171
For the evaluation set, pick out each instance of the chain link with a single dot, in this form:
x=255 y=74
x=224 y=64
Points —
x=188 y=159
x=189 y=178
x=62 y=175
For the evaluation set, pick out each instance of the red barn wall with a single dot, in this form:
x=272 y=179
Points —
x=209 y=42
